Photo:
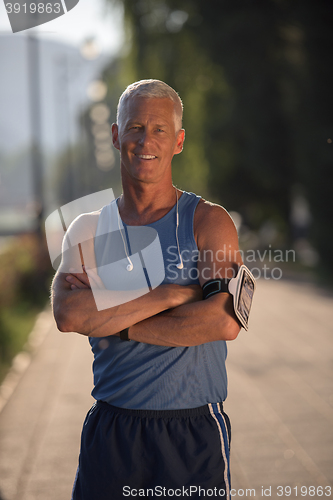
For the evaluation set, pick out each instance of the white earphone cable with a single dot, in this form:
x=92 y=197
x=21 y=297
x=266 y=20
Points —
x=180 y=264
x=130 y=263
x=130 y=266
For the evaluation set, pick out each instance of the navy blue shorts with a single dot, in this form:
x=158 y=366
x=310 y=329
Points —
x=153 y=454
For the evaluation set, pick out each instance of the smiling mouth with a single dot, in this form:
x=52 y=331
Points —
x=146 y=157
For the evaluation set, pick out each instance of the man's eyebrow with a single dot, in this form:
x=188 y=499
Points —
x=133 y=121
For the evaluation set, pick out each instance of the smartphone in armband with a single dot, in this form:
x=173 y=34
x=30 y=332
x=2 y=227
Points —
x=242 y=288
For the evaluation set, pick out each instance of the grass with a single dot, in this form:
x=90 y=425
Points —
x=15 y=325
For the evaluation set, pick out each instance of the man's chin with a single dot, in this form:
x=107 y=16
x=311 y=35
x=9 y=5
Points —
x=143 y=177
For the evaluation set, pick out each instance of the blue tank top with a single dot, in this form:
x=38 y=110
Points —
x=136 y=375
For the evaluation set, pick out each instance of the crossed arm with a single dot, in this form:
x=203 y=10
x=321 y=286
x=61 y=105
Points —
x=170 y=315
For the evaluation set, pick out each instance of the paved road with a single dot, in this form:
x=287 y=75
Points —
x=280 y=403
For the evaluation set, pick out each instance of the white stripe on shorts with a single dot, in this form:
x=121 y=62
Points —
x=223 y=444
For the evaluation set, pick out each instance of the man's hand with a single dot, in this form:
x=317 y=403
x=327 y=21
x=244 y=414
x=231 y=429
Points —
x=88 y=279
x=78 y=281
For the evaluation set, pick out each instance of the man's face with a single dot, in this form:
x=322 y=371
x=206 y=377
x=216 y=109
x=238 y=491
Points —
x=147 y=140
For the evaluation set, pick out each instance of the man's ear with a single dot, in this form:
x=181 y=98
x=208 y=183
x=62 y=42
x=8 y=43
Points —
x=115 y=136
x=180 y=141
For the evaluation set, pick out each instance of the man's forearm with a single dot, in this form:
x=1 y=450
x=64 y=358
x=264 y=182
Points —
x=75 y=310
x=87 y=320
x=190 y=324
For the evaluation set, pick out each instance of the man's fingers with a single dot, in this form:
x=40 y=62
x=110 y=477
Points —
x=88 y=279
x=78 y=280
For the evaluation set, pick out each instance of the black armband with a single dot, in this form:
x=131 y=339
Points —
x=215 y=286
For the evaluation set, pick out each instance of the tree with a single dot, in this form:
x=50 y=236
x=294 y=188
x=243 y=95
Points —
x=255 y=81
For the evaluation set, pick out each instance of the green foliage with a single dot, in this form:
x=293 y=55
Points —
x=25 y=275
x=256 y=83
x=15 y=325
x=76 y=173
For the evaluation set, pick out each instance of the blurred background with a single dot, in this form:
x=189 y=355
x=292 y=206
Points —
x=256 y=79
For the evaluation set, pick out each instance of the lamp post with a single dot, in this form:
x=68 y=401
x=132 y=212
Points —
x=35 y=121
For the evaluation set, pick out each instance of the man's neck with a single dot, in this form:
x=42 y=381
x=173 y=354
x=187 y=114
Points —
x=146 y=203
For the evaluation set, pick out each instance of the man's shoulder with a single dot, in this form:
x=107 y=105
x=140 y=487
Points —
x=208 y=212
x=84 y=225
x=212 y=223
x=78 y=243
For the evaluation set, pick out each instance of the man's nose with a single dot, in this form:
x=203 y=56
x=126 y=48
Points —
x=144 y=138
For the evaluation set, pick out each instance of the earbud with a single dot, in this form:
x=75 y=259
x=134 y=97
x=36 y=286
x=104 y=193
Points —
x=129 y=267
x=180 y=265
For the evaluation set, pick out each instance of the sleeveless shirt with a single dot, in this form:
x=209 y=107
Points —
x=136 y=375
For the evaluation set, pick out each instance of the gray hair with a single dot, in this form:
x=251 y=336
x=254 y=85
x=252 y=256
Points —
x=151 y=89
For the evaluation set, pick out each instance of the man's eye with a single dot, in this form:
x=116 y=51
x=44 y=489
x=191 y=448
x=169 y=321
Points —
x=160 y=130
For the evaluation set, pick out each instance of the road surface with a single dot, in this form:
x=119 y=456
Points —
x=280 y=403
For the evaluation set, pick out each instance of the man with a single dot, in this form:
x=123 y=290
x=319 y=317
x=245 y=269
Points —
x=158 y=428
